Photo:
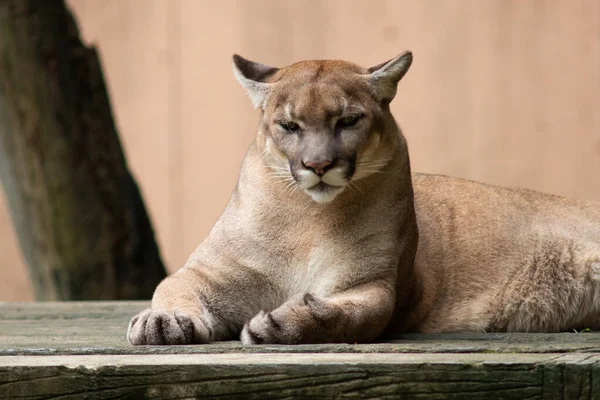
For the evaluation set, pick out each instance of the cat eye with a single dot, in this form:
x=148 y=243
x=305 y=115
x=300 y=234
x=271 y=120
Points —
x=289 y=126
x=348 y=121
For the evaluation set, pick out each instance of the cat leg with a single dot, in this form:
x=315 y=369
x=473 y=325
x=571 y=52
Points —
x=358 y=315
x=589 y=314
x=200 y=305
x=556 y=289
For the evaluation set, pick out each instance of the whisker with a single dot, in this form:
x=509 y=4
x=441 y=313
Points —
x=278 y=174
x=351 y=187
x=354 y=185
x=293 y=190
x=373 y=171
x=380 y=159
x=371 y=155
x=290 y=185
x=373 y=162
x=284 y=180
x=371 y=165
x=263 y=155
x=278 y=182
x=307 y=204
x=286 y=176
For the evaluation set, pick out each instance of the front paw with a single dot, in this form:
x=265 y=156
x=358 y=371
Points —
x=166 y=327
x=297 y=321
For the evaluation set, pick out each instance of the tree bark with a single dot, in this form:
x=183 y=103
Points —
x=79 y=216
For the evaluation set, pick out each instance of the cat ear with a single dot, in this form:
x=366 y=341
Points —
x=385 y=77
x=252 y=75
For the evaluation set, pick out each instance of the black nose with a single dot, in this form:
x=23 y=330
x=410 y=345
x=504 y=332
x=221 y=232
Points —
x=319 y=168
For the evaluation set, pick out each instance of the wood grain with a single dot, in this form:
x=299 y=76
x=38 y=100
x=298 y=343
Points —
x=78 y=351
x=452 y=376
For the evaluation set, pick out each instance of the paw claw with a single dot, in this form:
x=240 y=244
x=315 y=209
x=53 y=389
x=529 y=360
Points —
x=296 y=321
x=165 y=327
x=308 y=298
x=273 y=322
x=249 y=337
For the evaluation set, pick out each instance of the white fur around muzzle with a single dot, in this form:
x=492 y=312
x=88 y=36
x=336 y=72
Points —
x=335 y=177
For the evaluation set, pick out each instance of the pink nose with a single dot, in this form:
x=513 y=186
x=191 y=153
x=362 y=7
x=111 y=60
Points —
x=319 y=168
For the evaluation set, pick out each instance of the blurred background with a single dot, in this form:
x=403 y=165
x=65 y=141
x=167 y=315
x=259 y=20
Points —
x=500 y=91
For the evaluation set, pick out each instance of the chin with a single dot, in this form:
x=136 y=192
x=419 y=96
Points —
x=323 y=193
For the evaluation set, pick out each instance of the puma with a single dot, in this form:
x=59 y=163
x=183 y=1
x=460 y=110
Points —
x=328 y=237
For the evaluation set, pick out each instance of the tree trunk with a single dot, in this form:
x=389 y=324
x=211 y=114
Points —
x=79 y=216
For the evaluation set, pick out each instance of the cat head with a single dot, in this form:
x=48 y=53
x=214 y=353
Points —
x=325 y=124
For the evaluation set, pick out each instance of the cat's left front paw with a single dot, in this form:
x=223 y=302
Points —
x=288 y=324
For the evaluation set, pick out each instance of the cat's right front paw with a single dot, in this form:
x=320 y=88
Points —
x=166 y=327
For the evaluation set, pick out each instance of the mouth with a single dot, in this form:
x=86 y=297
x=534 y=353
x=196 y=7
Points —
x=323 y=187
x=323 y=192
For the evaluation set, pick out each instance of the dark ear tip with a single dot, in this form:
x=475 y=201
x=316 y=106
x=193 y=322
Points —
x=237 y=58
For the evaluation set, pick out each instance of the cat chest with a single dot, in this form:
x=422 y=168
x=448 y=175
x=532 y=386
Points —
x=317 y=272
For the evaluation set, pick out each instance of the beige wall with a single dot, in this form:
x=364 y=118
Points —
x=502 y=91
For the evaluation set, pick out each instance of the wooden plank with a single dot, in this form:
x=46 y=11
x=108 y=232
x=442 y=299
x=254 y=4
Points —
x=100 y=327
x=78 y=350
x=422 y=376
x=87 y=336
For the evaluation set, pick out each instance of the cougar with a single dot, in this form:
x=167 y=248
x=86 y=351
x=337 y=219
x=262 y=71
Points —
x=328 y=237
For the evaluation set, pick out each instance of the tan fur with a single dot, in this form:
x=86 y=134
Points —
x=500 y=259
x=298 y=258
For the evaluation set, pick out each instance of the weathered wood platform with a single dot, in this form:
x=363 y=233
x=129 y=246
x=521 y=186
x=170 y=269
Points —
x=79 y=351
